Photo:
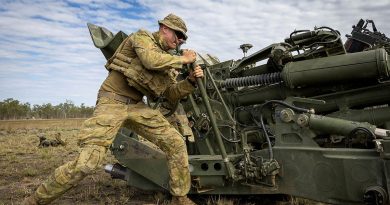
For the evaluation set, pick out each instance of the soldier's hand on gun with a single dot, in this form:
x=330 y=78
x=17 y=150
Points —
x=189 y=56
x=196 y=73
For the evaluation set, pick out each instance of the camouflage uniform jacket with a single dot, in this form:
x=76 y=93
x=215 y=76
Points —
x=143 y=59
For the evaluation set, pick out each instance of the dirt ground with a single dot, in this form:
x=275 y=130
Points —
x=24 y=166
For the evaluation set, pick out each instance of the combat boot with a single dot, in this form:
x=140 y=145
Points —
x=181 y=200
x=31 y=200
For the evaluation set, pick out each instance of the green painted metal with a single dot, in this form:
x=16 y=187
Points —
x=217 y=134
x=372 y=64
x=143 y=159
x=335 y=125
x=326 y=114
x=105 y=40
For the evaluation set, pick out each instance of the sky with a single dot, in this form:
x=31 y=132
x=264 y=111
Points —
x=47 y=56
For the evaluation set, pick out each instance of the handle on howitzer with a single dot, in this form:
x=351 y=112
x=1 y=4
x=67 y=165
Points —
x=213 y=121
x=198 y=80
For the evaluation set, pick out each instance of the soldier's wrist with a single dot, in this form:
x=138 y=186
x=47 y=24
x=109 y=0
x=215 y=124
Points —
x=184 y=60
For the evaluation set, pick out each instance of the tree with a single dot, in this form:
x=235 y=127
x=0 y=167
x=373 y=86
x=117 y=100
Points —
x=14 y=109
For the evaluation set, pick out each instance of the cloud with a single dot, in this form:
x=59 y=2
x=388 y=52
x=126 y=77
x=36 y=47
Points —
x=47 y=54
x=219 y=27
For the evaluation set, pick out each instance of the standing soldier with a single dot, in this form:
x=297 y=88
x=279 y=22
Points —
x=140 y=66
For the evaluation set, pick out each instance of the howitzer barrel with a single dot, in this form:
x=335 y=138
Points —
x=367 y=96
x=339 y=126
x=375 y=116
x=372 y=64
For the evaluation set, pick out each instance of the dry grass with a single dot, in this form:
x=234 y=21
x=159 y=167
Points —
x=24 y=166
x=23 y=125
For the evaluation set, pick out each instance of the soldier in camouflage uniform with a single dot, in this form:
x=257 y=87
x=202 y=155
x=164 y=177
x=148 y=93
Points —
x=180 y=121
x=178 y=118
x=140 y=66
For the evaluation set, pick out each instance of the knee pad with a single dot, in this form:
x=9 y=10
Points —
x=90 y=158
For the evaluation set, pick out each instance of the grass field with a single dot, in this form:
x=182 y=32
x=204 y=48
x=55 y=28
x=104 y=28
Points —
x=24 y=166
x=53 y=124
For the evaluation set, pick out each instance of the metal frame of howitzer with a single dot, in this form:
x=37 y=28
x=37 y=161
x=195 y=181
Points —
x=338 y=176
x=279 y=151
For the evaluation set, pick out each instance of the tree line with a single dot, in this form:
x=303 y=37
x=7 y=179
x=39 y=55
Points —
x=11 y=109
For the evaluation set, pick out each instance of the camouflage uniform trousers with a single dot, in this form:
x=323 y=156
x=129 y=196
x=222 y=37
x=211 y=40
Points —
x=180 y=121
x=97 y=134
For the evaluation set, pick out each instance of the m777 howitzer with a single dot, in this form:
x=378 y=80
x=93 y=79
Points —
x=312 y=121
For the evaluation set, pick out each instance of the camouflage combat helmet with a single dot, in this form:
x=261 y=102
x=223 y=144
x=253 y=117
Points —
x=176 y=23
